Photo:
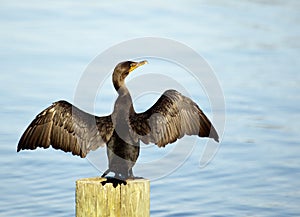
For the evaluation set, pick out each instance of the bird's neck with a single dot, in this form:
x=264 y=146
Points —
x=121 y=116
x=123 y=91
x=118 y=84
x=124 y=100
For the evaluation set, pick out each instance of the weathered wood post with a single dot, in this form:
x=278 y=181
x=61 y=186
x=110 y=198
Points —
x=94 y=198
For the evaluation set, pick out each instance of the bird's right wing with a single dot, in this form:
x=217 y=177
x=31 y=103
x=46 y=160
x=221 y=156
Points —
x=65 y=127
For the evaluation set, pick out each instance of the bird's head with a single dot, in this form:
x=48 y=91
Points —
x=122 y=70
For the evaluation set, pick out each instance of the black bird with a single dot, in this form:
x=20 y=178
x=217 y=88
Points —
x=65 y=127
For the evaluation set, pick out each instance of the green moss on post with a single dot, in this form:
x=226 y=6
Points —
x=95 y=199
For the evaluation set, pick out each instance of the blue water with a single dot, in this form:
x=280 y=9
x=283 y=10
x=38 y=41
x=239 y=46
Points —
x=254 y=49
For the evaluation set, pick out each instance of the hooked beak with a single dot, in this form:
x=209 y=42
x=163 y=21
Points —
x=135 y=65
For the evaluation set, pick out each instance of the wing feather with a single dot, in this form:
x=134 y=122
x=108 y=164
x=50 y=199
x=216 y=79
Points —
x=170 y=118
x=65 y=127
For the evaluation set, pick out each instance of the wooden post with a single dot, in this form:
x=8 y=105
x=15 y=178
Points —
x=95 y=199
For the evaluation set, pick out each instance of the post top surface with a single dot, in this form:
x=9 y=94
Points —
x=101 y=179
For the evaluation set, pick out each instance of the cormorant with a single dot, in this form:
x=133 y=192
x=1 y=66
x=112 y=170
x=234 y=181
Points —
x=66 y=127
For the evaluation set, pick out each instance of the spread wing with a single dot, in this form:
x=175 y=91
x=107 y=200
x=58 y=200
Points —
x=65 y=127
x=170 y=118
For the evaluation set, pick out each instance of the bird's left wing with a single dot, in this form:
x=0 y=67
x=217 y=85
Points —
x=170 y=118
x=65 y=127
